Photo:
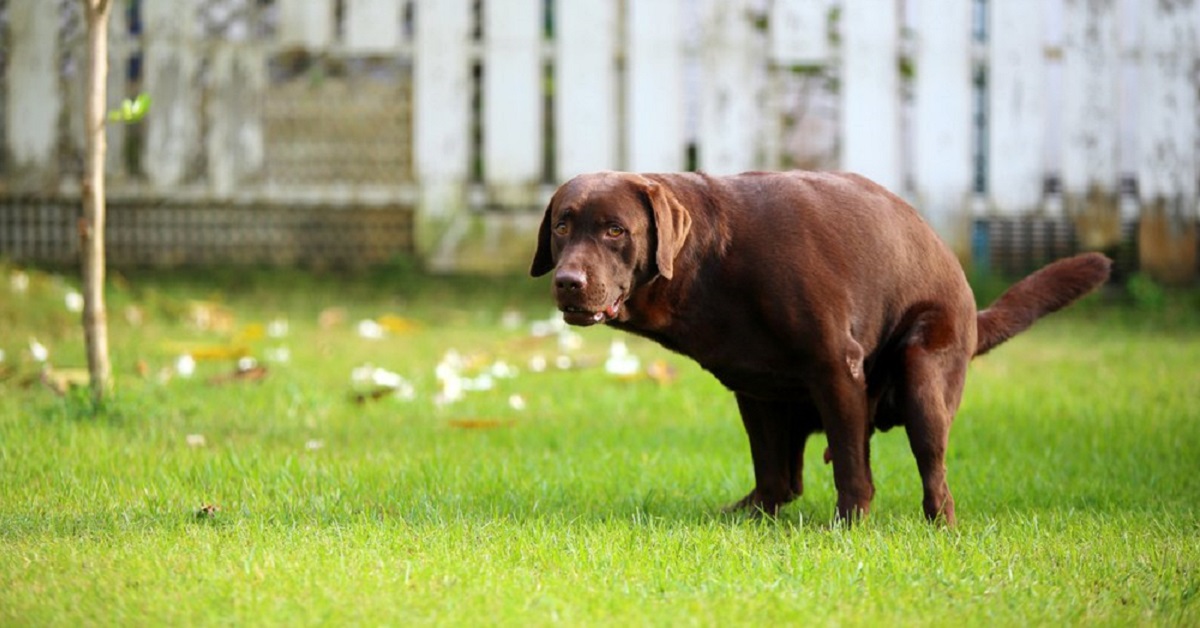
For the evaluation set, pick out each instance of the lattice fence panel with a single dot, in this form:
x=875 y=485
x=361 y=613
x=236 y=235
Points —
x=339 y=123
x=177 y=233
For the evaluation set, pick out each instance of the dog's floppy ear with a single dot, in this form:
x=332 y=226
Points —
x=672 y=222
x=543 y=260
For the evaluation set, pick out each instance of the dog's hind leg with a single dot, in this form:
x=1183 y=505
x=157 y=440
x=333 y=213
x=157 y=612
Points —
x=932 y=389
x=777 y=430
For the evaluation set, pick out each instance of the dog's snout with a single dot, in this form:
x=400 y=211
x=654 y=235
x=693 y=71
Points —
x=570 y=279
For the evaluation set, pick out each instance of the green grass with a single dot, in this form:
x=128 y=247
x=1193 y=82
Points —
x=1075 y=463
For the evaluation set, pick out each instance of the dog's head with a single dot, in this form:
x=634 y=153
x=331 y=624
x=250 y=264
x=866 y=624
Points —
x=604 y=235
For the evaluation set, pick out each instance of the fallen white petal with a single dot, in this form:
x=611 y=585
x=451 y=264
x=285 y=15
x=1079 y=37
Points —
x=369 y=329
x=537 y=363
x=38 y=350
x=74 y=301
x=18 y=282
x=185 y=365
x=277 y=328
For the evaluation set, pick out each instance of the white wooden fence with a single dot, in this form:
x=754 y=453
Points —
x=966 y=107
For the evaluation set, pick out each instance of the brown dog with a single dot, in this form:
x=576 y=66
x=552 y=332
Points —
x=821 y=300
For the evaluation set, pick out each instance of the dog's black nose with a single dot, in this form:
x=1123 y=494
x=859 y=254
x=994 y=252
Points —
x=570 y=280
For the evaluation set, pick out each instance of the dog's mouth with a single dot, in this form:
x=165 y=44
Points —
x=576 y=315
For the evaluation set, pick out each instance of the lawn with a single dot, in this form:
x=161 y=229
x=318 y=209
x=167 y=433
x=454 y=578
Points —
x=399 y=449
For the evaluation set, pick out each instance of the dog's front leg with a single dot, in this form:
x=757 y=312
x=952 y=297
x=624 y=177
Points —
x=777 y=437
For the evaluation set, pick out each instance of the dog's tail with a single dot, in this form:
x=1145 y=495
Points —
x=1039 y=294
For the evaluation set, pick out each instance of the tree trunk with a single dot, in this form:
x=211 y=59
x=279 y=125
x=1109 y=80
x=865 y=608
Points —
x=91 y=226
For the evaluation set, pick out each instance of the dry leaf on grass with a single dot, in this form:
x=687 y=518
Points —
x=59 y=381
x=331 y=317
x=208 y=511
x=254 y=373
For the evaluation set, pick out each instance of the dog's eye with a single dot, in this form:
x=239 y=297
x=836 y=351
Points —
x=615 y=231
x=560 y=227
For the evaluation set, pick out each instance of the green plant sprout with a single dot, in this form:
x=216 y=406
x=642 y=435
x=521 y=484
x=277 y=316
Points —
x=132 y=110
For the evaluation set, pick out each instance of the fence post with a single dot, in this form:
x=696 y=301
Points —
x=34 y=101
x=306 y=23
x=373 y=26
x=441 y=117
x=942 y=169
x=235 y=116
x=1090 y=121
x=871 y=91
x=1168 y=132
x=733 y=61
x=1016 y=106
x=170 y=77
x=585 y=87
x=654 y=131
x=512 y=101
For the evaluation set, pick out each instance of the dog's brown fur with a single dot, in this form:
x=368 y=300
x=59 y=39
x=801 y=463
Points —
x=821 y=300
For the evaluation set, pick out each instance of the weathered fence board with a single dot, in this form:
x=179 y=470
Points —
x=585 y=87
x=442 y=104
x=34 y=100
x=797 y=32
x=942 y=172
x=235 y=117
x=306 y=23
x=512 y=101
x=1090 y=119
x=734 y=83
x=654 y=133
x=1016 y=106
x=871 y=91
x=1168 y=127
x=374 y=26
x=172 y=65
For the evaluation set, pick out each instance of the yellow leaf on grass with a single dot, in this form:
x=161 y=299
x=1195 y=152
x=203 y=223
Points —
x=397 y=324
x=250 y=333
x=209 y=352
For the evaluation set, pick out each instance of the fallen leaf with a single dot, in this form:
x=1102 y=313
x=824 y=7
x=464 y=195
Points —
x=207 y=315
x=397 y=324
x=208 y=511
x=210 y=352
x=662 y=372
x=250 y=333
x=134 y=316
x=62 y=380
x=253 y=374
x=331 y=317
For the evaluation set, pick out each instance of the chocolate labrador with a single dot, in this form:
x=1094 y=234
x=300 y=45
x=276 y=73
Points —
x=823 y=301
